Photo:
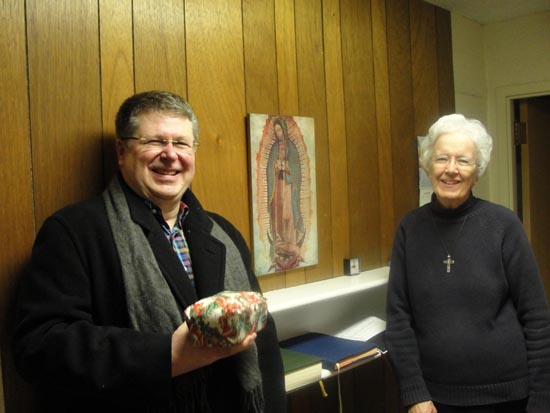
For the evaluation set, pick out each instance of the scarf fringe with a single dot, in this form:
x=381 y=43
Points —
x=253 y=402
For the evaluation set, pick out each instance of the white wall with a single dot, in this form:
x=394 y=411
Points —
x=469 y=78
x=494 y=64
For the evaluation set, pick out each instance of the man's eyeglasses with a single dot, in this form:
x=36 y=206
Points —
x=180 y=146
x=445 y=160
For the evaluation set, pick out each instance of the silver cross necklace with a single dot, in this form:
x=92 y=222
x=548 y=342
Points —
x=449 y=260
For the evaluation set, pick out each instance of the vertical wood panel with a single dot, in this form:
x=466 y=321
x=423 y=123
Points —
x=336 y=123
x=261 y=79
x=216 y=91
x=117 y=70
x=285 y=36
x=311 y=89
x=424 y=65
x=404 y=150
x=159 y=45
x=445 y=77
x=16 y=213
x=383 y=123
x=362 y=145
x=64 y=101
x=287 y=80
x=16 y=219
x=260 y=56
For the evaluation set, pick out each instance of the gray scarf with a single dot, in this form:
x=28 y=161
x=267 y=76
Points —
x=153 y=308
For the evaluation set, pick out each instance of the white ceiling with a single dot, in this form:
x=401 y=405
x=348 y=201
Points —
x=490 y=11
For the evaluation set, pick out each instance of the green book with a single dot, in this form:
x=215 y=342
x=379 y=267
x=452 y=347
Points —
x=300 y=368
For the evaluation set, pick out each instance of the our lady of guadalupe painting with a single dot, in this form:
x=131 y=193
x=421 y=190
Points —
x=284 y=205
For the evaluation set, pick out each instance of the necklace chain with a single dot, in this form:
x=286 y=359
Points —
x=449 y=261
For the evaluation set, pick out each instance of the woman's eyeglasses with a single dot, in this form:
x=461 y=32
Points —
x=445 y=160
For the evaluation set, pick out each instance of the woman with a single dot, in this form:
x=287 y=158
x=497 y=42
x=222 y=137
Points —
x=287 y=227
x=468 y=325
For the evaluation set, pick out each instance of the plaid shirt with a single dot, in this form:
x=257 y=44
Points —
x=175 y=236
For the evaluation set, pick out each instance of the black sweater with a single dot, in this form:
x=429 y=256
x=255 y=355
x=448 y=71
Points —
x=479 y=334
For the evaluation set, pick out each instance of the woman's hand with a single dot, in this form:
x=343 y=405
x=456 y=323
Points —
x=186 y=356
x=423 y=407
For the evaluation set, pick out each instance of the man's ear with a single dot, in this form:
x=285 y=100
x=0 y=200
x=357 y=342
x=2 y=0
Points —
x=120 y=148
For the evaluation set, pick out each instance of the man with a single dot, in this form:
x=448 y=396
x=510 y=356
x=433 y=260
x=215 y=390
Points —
x=99 y=322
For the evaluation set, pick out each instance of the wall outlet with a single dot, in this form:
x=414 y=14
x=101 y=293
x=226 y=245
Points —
x=352 y=266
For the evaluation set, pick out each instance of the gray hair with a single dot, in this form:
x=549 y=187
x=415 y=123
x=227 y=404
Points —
x=127 y=118
x=453 y=123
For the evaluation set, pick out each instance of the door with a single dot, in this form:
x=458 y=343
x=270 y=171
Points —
x=533 y=176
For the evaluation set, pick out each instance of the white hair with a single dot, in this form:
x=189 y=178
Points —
x=454 y=123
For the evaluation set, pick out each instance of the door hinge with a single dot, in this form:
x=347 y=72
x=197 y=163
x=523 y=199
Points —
x=520 y=133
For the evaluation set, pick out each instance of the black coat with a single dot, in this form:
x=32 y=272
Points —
x=72 y=337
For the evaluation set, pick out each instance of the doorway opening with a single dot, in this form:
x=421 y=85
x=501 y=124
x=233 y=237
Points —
x=532 y=165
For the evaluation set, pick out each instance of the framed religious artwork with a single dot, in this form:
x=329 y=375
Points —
x=283 y=192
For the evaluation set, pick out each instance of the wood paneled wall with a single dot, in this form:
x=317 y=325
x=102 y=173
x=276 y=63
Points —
x=373 y=73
